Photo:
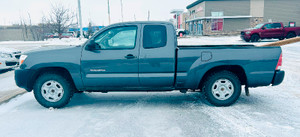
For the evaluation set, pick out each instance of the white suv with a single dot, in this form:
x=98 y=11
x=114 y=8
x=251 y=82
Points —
x=9 y=58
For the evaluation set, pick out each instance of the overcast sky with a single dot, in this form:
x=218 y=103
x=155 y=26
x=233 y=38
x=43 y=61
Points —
x=92 y=10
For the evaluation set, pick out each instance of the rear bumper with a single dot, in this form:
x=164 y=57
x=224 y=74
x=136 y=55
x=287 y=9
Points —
x=278 y=77
x=23 y=78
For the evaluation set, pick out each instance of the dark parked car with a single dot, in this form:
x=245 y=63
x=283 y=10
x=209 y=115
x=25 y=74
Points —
x=144 y=56
x=269 y=31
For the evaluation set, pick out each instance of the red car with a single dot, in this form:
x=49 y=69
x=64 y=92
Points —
x=269 y=31
x=66 y=35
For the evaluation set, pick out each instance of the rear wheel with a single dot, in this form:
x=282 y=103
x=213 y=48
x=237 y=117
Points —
x=222 y=88
x=254 y=38
x=53 y=90
x=290 y=35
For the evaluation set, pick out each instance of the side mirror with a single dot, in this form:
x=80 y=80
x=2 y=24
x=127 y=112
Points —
x=92 y=45
x=263 y=28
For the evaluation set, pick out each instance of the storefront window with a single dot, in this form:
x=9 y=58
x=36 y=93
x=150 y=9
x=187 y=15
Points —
x=217 y=24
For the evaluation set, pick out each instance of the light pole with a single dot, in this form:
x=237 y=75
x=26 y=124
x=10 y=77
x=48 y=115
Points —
x=108 y=12
x=122 y=10
x=80 y=20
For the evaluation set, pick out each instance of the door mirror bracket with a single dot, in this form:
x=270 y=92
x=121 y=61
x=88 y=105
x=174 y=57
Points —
x=92 y=45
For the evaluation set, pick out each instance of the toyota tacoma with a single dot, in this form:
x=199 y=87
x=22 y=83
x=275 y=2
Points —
x=144 y=56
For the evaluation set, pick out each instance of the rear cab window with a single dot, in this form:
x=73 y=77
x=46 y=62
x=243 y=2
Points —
x=154 y=36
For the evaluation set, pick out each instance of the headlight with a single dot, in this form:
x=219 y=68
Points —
x=22 y=59
x=5 y=55
x=248 y=32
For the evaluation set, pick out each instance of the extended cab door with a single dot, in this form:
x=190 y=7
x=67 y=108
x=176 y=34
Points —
x=157 y=56
x=116 y=63
x=272 y=30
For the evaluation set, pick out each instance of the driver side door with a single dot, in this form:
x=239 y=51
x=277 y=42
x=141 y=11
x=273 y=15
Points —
x=115 y=64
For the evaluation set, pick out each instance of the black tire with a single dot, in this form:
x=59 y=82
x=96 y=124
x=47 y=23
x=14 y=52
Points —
x=217 y=77
x=290 y=35
x=247 y=40
x=65 y=96
x=281 y=38
x=254 y=38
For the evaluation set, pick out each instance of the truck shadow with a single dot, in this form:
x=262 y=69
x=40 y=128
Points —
x=153 y=99
x=137 y=99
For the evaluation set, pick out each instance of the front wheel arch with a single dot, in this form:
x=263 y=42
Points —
x=254 y=37
x=58 y=70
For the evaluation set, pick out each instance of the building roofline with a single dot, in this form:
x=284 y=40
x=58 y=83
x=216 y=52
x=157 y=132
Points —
x=221 y=17
x=194 y=4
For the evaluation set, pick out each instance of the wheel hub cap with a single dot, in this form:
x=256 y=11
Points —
x=52 y=91
x=222 y=89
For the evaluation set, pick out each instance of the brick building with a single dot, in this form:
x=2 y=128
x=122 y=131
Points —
x=217 y=17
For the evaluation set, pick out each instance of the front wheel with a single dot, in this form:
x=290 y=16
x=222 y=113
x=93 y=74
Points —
x=255 y=38
x=222 y=88
x=53 y=90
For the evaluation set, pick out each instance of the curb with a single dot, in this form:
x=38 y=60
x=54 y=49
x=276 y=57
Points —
x=13 y=94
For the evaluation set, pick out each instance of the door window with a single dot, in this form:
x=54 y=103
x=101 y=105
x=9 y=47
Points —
x=276 y=25
x=154 y=36
x=117 y=38
x=268 y=26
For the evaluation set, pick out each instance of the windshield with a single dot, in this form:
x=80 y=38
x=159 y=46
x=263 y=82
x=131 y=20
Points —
x=258 y=26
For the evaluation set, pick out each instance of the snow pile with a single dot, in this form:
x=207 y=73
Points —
x=65 y=41
x=225 y=40
x=32 y=45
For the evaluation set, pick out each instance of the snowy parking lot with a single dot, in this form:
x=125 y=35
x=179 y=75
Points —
x=269 y=111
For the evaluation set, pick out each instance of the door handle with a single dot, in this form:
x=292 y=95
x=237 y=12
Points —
x=129 y=56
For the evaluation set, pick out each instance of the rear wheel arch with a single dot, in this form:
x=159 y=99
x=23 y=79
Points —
x=236 y=69
x=291 y=33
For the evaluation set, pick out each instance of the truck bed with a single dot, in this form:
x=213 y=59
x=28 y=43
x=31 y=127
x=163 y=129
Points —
x=229 y=45
x=257 y=62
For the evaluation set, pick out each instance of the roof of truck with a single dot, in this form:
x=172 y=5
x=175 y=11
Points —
x=143 y=22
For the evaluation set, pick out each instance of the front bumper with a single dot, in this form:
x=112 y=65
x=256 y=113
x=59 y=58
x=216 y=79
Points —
x=278 y=77
x=23 y=78
x=245 y=36
x=7 y=64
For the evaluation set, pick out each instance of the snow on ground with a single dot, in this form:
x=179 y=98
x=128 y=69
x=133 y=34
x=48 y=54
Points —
x=7 y=81
x=269 y=111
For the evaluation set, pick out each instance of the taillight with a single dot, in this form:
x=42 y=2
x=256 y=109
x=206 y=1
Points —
x=279 y=63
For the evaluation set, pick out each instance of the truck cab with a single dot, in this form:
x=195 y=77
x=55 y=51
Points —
x=126 y=55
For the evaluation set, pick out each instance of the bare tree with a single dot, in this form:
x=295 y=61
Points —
x=60 y=18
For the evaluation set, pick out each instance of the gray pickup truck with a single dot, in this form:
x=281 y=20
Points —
x=144 y=56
